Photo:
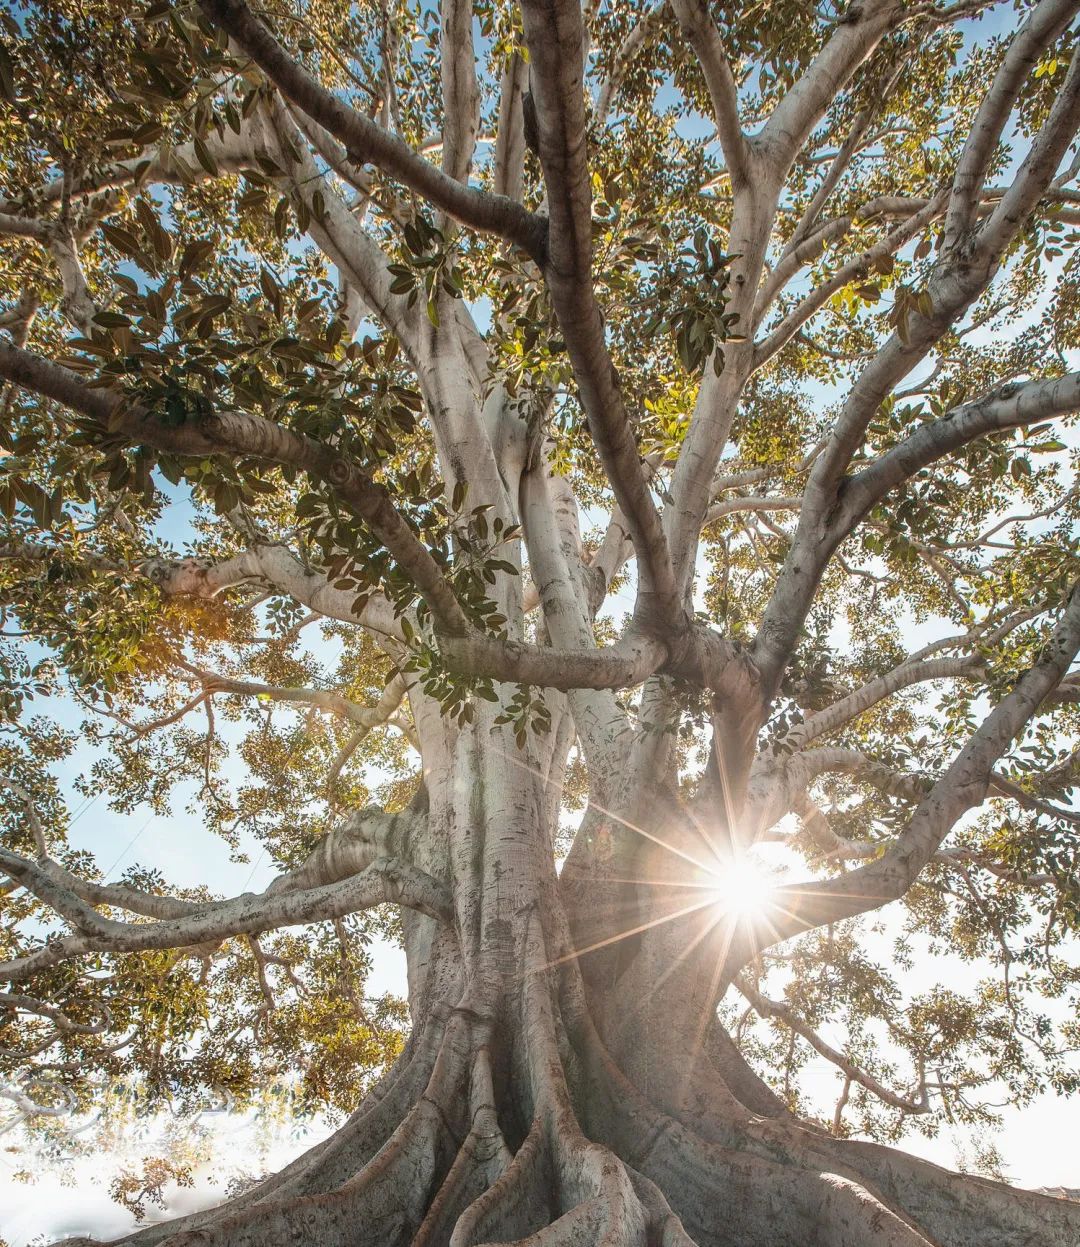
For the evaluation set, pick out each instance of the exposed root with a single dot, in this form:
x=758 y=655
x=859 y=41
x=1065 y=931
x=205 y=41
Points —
x=961 y=1210
x=847 y=1215
x=389 y=1196
x=780 y=1181
x=592 y=1182
x=426 y=1161
x=663 y=1226
x=562 y=1189
x=327 y=1164
x=730 y=1196
x=481 y=1161
x=518 y=1203
x=586 y=1225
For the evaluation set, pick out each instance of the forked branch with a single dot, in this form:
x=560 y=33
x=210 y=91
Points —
x=367 y=142
x=797 y=908
x=386 y=880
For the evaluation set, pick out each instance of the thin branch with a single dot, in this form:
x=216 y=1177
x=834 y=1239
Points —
x=29 y=1107
x=32 y=817
x=62 y=1022
x=918 y=1103
x=322 y=699
x=840 y=163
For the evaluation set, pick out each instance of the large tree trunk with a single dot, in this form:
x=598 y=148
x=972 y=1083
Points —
x=553 y=1099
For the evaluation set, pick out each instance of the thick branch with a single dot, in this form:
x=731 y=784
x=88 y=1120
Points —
x=1038 y=167
x=23 y=227
x=240 y=434
x=802 y=907
x=510 y=139
x=801 y=108
x=1011 y=407
x=554 y=36
x=829 y=516
x=1045 y=23
x=700 y=31
x=461 y=95
x=384 y=881
x=472 y=653
x=862 y=699
x=368 y=142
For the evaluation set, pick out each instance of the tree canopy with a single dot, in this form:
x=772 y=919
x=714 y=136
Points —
x=444 y=441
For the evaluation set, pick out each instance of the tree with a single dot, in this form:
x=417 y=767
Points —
x=762 y=316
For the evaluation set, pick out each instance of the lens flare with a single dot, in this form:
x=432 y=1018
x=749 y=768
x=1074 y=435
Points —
x=741 y=889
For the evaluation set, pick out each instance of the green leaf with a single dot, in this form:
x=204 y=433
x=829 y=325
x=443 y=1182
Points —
x=272 y=292
x=123 y=240
x=112 y=320
x=202 y=155
x=194 y=256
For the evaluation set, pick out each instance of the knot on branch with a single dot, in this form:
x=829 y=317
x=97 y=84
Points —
x=1006 y=391
x=339 y=472
x=391 y=873
x=596 y=587
x=661 y=619
x=681 y=649
x=536 y=242
x=177 y=577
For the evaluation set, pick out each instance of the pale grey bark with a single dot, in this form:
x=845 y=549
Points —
x=386 y=880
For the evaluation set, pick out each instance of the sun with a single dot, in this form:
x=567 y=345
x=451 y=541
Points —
x=741 y=889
